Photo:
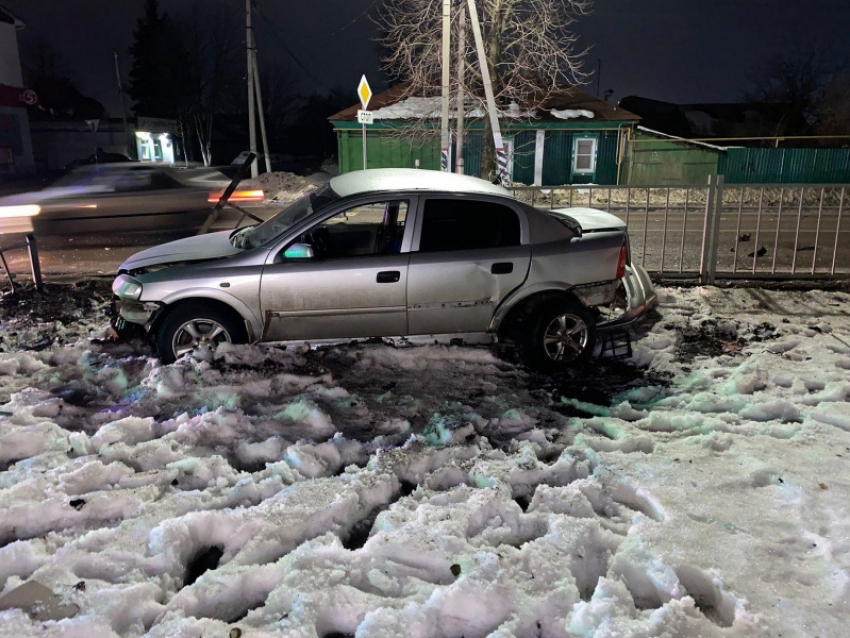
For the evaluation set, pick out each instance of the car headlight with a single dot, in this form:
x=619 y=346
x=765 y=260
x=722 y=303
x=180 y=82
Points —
x=25 y=210
x=125 y=287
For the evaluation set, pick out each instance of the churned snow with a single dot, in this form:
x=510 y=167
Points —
x=434 y=491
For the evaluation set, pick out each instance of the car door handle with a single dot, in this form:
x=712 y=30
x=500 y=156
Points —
x=388 y=276
x=502 y=268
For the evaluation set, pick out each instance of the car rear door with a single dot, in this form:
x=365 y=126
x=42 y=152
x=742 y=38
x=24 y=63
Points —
x=354 y=286
x=469 y=254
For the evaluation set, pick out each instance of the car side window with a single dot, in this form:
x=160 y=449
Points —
x=132 y=181
x=376 y=228
x=464 y=224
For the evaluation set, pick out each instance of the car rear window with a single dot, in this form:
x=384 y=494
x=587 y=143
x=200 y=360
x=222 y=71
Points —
x=463 y=224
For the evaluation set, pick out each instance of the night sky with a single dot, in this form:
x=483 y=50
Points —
x=676 y=50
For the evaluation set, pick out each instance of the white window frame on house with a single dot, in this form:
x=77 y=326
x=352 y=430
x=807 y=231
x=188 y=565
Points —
x=593 y=153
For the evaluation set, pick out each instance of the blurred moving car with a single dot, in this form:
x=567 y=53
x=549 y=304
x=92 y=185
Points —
x=124 y=196
x=393 y=253
x=100 y=157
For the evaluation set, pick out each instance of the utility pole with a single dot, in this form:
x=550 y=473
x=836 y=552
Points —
x=445 y=140
x=131 y=146
x=262 y=115
x=501 y=156
x=461 y=96
x=252 y=127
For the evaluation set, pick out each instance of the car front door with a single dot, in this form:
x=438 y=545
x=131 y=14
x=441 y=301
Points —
x=353 y=285
x=468 y=256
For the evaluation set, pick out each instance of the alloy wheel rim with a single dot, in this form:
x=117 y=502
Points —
x=197 y=332
x=565 y=338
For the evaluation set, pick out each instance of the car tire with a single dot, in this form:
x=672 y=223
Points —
x=562 y=335
x=191 y=325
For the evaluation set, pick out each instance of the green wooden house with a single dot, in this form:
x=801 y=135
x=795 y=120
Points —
x=572 y=139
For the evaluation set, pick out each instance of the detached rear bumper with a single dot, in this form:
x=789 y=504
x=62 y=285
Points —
x=598 y=294
x=640 y=298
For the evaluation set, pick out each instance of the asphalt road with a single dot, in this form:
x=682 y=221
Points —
x=794 y=242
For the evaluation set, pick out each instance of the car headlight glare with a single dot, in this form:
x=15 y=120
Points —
x=125 y=287
x=25 y=210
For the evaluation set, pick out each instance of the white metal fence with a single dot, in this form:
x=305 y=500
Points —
x=728 y=230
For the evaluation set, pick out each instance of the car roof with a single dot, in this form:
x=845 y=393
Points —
x=411 y=179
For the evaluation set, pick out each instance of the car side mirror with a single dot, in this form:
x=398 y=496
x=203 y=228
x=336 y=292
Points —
x=299 y=251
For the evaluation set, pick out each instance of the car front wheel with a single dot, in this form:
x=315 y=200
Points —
x=563 y=334
x=192 y=326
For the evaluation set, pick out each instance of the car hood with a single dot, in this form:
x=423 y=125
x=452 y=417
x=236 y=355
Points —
x=592 y=219
x=200 y=247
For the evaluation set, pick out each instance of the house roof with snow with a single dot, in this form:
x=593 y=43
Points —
x=567 y=104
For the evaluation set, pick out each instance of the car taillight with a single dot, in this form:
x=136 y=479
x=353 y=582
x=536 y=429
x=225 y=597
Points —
x=621 y=263
x=247 y=196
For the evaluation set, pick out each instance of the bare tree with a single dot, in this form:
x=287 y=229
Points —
x=530 y=47
x=834 y=108
x=793 y=84
x=278 y=97
x=212 y=67
x=42 y=61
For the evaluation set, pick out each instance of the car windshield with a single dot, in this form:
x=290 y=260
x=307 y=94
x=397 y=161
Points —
x=275 y=226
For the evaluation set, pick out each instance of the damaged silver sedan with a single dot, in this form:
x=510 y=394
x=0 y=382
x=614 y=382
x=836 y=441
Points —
x=397 y=254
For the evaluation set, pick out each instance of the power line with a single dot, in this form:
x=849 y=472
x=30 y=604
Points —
x=338 y=31
x=286 y=48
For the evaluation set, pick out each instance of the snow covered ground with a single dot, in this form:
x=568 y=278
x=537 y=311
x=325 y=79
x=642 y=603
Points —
x=429 y=491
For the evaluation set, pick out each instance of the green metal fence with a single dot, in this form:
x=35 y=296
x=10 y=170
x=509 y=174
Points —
x=785 y=165
x=721 y=230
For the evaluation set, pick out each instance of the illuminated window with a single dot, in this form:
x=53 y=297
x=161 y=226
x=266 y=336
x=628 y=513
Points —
x=584 y=155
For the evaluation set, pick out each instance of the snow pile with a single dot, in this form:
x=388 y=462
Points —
x=287 y=187
x=383 y=491
x=410 y=108
x=571 y=114
x=415 y=108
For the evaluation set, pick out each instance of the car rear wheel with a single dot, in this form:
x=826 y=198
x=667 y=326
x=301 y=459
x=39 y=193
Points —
x=192 y=326
x=562 y=335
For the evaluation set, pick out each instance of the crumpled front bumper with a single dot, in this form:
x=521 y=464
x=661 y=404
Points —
x=141 y=313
